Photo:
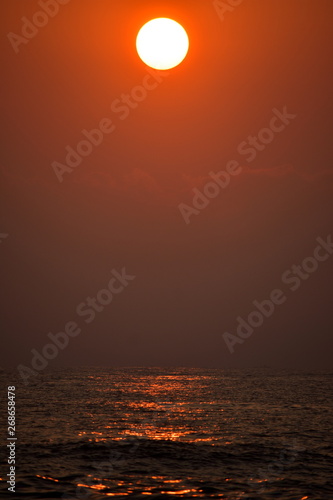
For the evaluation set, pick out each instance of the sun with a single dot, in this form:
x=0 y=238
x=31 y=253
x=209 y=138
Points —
x=162 y=43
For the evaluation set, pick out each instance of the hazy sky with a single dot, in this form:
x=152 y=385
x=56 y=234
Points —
x=255 y=88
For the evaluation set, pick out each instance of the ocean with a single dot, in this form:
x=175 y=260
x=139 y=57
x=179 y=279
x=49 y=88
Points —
x=161 y=433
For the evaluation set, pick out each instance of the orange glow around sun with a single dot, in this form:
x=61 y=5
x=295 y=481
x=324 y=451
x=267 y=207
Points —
x=162 y=43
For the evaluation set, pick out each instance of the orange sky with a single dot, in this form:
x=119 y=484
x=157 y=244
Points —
x=120 y=206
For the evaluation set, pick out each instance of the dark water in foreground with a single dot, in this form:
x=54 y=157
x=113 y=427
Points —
x=173 y=433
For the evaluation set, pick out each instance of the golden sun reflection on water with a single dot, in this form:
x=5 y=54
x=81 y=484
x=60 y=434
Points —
x=166 y=409
x=164 y=420
x=159 y=420
x=163 y=483
x=48 y=478
x=93 y=487
x=149 y=490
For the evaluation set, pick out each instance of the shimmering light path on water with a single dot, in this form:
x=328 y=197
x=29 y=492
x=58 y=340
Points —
x=165 y=433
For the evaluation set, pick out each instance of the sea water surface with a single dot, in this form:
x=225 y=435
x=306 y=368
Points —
x=162 y=433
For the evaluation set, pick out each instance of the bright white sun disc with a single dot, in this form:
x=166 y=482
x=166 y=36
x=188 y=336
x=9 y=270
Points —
x=162 y=43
